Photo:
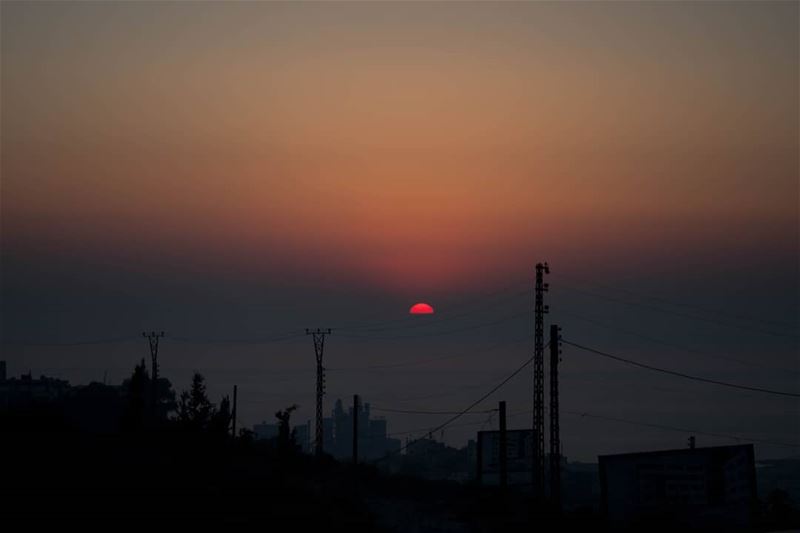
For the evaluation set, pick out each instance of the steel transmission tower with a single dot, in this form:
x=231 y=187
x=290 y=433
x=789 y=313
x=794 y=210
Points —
x=538 y=473
x=555 y=436
x=152 y=338
x=319 y=347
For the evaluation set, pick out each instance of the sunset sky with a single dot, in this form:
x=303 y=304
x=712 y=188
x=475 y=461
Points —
x=240 y=171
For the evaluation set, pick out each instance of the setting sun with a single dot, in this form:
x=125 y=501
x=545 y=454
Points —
x=421 y=309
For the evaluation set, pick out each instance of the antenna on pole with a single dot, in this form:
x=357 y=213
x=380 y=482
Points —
x=355 y=429
x=233 y=412
x=555 y=430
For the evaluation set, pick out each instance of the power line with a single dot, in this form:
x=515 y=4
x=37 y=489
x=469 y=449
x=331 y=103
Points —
x=289 y=334
x=468 y=408
x=585 y=414
x=439 y=333
x=415 y=412
x=737 y=327
x=296 y=333
x=72 y=343
x=262 y=340
x=427 y=430
x=188 y=340
x=487 y=421
x=682 y=430
x=255 y=341
x=452 y=392
x=681 y=374
x=433 y=359
x=705 y=309
x=417 y=322
x=407 y=319
x=458 y=390
x=669 y=344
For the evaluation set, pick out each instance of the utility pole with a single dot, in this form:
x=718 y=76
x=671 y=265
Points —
x=355 y=429
x=233 y=413
x=538 y=472
x=479 y=459
x=555 y=436
x=152 y=339
x=503 y=457
x=319 y=346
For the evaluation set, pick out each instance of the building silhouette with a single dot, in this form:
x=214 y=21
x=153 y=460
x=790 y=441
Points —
x=373 y=439
x=711 y=487
x=265 y=431
x=302 y=436
x=301 y=432
x=26 y=391
x=337 y=430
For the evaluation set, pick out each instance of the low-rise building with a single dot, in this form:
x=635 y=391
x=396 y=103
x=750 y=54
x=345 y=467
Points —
x=711 y=487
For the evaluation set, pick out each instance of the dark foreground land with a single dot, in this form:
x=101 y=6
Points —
x=53 y=470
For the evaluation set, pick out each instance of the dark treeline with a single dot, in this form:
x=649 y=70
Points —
x=132 y=452
x=138 y=452
x=102 y=451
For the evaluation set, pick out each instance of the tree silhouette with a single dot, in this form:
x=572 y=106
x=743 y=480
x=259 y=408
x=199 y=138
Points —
x=94 y=408
x=195 y=411
x=135 y=388
x=166 y=399
x=220 y=421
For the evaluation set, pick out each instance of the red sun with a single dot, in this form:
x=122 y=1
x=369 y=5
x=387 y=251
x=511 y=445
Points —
x=421 y=309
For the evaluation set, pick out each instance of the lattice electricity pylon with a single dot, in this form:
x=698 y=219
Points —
x=538 y=470
x=319 y=347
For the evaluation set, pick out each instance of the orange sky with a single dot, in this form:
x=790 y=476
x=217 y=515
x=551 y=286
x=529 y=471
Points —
x=420 y=144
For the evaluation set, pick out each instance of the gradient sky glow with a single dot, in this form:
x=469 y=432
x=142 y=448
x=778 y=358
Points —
x=233 y=170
